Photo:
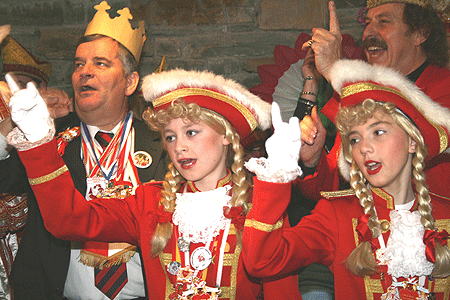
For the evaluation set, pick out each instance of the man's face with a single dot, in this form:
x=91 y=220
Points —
x=98 y=80
x=388 y=42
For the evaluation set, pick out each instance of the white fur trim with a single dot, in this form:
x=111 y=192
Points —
x=347 y=71
x=158 y=84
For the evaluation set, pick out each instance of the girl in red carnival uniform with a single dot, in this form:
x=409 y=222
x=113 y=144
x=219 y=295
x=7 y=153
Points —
x=386 y=237
x=189 y=226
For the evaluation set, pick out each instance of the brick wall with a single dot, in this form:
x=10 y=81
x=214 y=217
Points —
x=229 y=37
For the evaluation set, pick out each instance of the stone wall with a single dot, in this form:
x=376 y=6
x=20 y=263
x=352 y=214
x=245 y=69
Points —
x=229 y=37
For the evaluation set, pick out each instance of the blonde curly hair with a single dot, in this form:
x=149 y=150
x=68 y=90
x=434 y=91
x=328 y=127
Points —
x=361 y=261
x=172 y=183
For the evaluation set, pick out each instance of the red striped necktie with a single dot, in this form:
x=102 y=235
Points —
x=109 y=280
x=104 y=138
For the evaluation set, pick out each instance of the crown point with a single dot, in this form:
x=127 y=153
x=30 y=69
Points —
x=125 y=12
x=103 y=6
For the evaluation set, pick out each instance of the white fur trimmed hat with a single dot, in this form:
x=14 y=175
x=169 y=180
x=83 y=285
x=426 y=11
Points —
x=356 y=81
x=244 y=110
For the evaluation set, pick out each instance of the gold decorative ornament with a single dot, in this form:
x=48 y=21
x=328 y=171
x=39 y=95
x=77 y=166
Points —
x=385 y=225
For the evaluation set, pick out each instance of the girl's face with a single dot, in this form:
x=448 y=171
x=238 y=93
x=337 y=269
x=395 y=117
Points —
x=197 y=152
x=383 y=151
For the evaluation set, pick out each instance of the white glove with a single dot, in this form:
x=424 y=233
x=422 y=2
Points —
x=283 y=147
x=28 y=110
x=283 y=150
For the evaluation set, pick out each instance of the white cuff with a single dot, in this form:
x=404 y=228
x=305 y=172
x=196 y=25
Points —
x=264 y=171
x=17 y=139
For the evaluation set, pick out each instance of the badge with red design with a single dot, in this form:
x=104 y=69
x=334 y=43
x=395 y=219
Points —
x=201 y=258
x=142 y=159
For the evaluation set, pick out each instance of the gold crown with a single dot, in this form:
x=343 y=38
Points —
x=423 y=3
x=118 y=28
x=18 y=60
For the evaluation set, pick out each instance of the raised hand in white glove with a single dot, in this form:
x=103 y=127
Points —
x=283 y=149
x=28 y=110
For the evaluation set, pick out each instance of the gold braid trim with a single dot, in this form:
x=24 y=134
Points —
x=96 y=260
x=367 y=86
x=263 y=226
x=184 y=92
x=48 y=177
x=334 y=194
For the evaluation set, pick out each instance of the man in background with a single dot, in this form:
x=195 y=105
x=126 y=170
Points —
x=406 y=35
x=24 y=67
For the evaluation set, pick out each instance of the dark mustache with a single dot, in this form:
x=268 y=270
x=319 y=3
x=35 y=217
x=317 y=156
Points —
x=373 y=42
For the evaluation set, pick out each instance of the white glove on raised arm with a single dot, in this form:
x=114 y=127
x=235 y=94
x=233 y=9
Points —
x=283 y=149
x=29 y=111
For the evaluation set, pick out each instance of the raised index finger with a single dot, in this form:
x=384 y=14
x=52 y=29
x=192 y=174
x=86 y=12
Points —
x=276 y=116
x=11 y=83
x=334 y=22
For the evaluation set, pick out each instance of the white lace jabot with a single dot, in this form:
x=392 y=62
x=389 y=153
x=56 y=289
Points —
x=405 y=249
x=199 y=215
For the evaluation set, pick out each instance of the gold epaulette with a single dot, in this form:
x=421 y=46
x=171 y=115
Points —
x=335 y=194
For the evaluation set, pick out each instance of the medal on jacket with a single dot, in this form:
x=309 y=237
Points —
x=201 y=258
x=173 y=267
x=142 y=159
x=66 y=136
x=190 y=279
x=183 y=245
x=406 y=290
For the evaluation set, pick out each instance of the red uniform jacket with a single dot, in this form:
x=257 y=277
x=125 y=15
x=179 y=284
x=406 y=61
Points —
x=435 y=83
x=327 y=236
x=68 y=215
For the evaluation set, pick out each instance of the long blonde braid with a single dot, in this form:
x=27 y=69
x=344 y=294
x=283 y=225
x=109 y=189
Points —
x=442 y=253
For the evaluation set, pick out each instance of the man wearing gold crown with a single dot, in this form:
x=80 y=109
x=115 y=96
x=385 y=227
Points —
x=24 y=67
x=406 y=35
x=101 y=143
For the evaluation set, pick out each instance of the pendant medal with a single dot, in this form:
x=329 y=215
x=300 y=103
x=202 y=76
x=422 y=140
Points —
x=201 y=258
x=173 y=267
x=95 y=186
x=183 y=245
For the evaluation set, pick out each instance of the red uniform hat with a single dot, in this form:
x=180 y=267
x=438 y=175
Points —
x=357 y=81
x=244 y=110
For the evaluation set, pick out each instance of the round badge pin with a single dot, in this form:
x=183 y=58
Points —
x=201 y=258
x=173 y=267
x=142 y=159
x=183 y=245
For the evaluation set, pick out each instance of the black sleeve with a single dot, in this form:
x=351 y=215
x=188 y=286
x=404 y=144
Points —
x=303 y=108
x=13 y=177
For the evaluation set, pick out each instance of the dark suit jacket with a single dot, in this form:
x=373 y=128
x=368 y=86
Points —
x=40 y=268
